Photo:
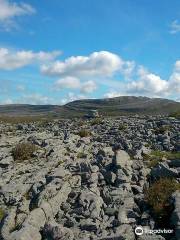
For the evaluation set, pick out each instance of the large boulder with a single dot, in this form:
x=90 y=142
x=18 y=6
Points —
x=122 y=160
x=175 y=218
x=26 y=234
x=163 y=170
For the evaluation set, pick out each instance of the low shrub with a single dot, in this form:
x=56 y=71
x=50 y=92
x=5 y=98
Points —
x=23 y=151
x=81 y=155
x=96 y=121
x=162 y=130
x=122 y=127
x=175 y=115
x=158 y=196
x=84 y=133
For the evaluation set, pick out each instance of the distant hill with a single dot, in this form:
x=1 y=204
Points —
x=124 y=105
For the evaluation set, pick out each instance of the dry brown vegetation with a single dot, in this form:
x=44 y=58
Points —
x=158 y=196
x=84 y=133
x=2 y=214
x=23 y=151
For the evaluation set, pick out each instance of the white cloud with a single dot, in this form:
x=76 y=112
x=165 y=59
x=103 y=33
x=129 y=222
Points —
x=79 y=71
x=145 y=83
x=74 y=83
x=174 y=81
x=128 y=68
x=175 y=27
x=72 y=97
x=98 y=64
x=9 y=10
x=20 y=88
x=6 y=101
x=177 y=66
x=10 y=60
x=67 y=82
x=34 y=98
x=84 y=74
x=148 y=83
x=112 y=94
x=88 y=87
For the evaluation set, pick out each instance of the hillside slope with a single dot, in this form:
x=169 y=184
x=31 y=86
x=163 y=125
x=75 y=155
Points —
x=126 y=105
x=108 y=107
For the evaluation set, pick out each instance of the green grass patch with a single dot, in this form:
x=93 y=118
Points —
x=122 y=127
x=158 y=156
x=175 y=115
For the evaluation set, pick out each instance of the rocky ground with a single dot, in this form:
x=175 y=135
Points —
x=88 y=179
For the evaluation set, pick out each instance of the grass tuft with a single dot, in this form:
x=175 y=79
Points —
x=96 y=121
x=2 y=214
x=23 y=151
x=84 y=133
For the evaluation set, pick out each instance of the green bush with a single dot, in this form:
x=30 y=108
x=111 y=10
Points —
x=175 y=115
x=96 y=121
x=162 y=130
x=158 y=196
x=23 y=151
x=122 y=127
x=84 y=133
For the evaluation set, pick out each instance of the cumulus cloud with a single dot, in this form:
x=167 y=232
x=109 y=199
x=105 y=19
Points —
x=177 y=66
x=112 y=94
x=148 y=84
x=74 y=83
x=84 y=73
x=72 y=97
x=128 y=68
x=9 y=10
x=174 y=81
x=88 y=87
x=10 y=60
x=175 y=27
x=67 y=82
x=97 y=64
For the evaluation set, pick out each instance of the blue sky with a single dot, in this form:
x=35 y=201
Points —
x=52 y=52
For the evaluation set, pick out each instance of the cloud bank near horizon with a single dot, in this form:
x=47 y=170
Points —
x=86 y=74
